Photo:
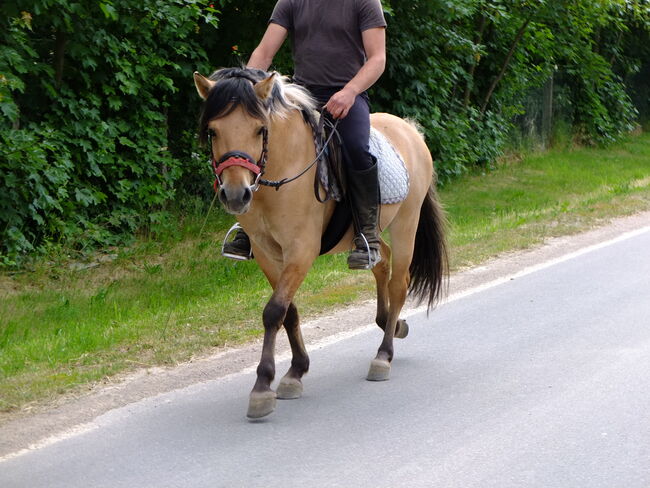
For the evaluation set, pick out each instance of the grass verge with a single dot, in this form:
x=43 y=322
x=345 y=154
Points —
x=66 y=325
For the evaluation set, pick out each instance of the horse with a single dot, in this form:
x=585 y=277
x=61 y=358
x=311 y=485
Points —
x=248 y=111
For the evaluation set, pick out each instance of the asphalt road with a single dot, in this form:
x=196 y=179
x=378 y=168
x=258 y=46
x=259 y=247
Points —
x=539 y=381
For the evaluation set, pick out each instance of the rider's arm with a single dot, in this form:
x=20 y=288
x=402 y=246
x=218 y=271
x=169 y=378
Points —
x=271 y=42
x=374 y=43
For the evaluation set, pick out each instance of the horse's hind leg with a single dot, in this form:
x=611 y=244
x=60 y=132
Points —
x=397 y=290
x=290 y=386
x=382 y=276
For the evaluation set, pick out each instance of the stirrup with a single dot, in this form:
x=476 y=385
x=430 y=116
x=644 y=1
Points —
x=371 y=264
x=229 y=255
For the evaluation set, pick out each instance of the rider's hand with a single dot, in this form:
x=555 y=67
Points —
x=340 y=103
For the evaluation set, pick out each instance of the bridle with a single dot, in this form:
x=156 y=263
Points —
x=240 y=158
x=244 y=160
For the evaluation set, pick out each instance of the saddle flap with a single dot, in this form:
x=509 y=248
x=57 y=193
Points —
x=329 y=175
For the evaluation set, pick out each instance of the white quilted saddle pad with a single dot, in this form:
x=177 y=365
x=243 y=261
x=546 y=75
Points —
x=393 y=177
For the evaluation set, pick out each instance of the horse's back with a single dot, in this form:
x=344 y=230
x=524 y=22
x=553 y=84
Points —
x=409 y=142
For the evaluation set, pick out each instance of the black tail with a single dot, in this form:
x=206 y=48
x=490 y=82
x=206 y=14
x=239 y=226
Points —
x=430 y=264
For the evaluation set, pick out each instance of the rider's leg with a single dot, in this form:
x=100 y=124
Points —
x=239 y=248
x=362 y=185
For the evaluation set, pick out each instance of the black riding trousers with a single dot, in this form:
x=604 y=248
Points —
x=354 y=129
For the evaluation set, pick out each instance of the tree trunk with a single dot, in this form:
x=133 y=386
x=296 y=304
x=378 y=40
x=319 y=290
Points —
x=59 y=56
x=506 y=62
x=475 y=61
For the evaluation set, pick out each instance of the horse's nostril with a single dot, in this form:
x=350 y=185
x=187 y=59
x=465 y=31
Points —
x=247 y=196
x=222 y=196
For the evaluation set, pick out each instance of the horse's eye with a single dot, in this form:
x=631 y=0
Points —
x=212 y=133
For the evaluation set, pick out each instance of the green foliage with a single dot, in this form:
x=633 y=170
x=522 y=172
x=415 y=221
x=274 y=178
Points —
x=90 y=95
x=588 y=37
x=98 y=111
x=465 y=68
x=425 y=79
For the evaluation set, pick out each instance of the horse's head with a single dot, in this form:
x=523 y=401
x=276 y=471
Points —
x=234 y=122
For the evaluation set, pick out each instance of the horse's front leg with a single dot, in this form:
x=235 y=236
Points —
x=277 y=311
x=290 y=386
x=262 y=398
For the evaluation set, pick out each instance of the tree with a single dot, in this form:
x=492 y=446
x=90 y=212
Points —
x=90 y=96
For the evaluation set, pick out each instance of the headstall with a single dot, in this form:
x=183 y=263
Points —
x=240 y=158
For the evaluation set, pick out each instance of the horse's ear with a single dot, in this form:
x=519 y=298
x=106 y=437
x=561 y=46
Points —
x=263 y=88
x=203 y=85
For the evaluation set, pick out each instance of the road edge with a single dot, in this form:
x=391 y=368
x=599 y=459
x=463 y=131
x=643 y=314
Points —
x=71 y=416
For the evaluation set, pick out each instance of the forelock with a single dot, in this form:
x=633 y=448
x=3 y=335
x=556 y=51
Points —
x=234 y=88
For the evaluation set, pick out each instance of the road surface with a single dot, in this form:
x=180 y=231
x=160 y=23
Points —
x=538 y=380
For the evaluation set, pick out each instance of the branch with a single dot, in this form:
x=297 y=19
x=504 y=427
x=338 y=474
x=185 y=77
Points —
x=506 y=62
x=472 y=68
x=612 y=59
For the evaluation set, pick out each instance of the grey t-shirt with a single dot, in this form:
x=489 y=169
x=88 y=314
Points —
x=326 y=37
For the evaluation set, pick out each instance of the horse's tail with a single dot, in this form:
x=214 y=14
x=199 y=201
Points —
x=430 y=263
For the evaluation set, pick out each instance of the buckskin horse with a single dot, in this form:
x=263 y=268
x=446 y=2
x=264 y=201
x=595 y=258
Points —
x=248 y=112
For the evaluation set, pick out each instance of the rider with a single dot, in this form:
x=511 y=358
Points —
x=339 y=52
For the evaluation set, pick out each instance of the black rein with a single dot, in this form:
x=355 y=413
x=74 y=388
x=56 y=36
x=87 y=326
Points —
x=278 y=183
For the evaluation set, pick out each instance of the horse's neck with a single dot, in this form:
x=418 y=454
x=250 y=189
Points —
x=291 y=150
x=291 y=145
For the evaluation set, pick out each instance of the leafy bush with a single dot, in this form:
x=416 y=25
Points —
x=90 y=96
x=97 y=133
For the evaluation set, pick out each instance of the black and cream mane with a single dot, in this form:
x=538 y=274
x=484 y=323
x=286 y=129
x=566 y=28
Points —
x=234 y=88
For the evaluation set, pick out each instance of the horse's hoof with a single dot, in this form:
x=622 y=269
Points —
x=289 y=388
x=261 y=404
x=402 y=329
x=379 y=370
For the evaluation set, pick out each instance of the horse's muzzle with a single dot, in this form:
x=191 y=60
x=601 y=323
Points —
x=236 y=199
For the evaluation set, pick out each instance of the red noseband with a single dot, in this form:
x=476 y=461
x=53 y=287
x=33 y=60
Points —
x=239 y=158
x=235 y=161
x=243 y=161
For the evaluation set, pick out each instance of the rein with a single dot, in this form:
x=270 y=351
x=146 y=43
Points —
x=319 y=130
x=240 y=158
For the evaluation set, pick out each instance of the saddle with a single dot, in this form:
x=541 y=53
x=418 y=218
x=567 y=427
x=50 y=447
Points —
x=330 y=177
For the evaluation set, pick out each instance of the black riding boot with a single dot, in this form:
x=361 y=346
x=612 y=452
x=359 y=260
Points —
x=239 y=248
x=363 y=192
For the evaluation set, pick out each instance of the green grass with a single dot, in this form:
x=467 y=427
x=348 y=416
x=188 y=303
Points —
x=556 y=193
x=166 y=300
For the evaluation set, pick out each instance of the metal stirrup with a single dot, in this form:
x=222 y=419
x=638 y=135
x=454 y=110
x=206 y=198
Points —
x=225 y=254
x=365 y=241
